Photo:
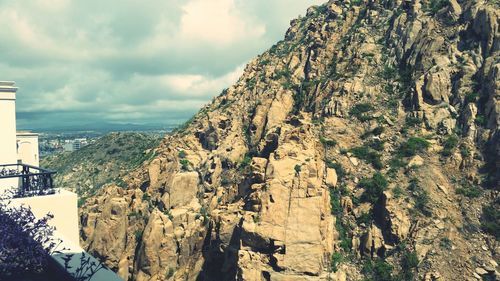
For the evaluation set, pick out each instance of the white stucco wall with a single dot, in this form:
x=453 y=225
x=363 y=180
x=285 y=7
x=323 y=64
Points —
x=8 y=151
x=63 y=205
x=27 y=148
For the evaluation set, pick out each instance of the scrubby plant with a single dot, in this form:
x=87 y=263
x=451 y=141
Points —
x=413 y=146
x=449 y=144
x=184 y=164
x=376 y=144
x=411 y=122
x=378 y=131
x=25 y=242
x=365 y=218
x=435 y=6
x=397 y=192
x=490 y=219
x=481 y=120
x=361 y=110
x=379 y=270
x=336 y=260
x=297 y=168
x=327 y=142
x=468 y=190
x=182 y=154
x=409 y=262
x=370 y=156
x=471 y=97
x=245 y=162
x=445 y=243
x=169 y=273
x=374 y=187
x=421 y=197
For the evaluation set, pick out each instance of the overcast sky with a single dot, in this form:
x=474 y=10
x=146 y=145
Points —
x=154 y=61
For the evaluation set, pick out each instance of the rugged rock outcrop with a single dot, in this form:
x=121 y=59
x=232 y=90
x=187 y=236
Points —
x=370 y=132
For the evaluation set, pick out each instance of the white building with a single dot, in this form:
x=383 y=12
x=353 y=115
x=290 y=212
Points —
x=27 y=148
x=35 y=188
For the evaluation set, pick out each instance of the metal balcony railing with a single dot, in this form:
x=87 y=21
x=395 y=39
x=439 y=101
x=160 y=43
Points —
x=32 y=181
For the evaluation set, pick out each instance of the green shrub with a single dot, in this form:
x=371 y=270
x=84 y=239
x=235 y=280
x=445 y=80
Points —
x=464 y=151
x=327 y=142
x=343 y=231
x=435 y=5
x=336 y=260
x=365 y=218
x=409 y=263
x=445 y=243
x=421 y=197
x=170 y=273
x=297 y=168
x=378 y=131
x=285 y=73
x=449 y=144
x=374 y=187
x=337 y=211
x=360 y=111
x=410 y=260
x=481 y=120
x=412 y=122
x=182 y=154
x=370 y=156
x=184 y=164
x=397 y=192
x=490 y=220
x=376 y=144
x=336 y=206
x=396 y=163
x=471 y=97
x=245 y=162
x=413 y=146
x=379 y=270
x=389 y=73
x=469 y=190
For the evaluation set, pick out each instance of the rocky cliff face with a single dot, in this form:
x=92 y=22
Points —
x=363 y=145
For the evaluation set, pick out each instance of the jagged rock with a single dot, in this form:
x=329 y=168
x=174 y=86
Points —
x=415 y=161
x=373 y=242
x=331 y=177
x=184 y=189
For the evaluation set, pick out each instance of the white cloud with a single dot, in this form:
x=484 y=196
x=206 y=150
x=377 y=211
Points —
x=217 y=22
x=148 y=60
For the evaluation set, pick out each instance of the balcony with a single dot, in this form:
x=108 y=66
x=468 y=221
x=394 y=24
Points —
x=32 y=188
x=31 y=181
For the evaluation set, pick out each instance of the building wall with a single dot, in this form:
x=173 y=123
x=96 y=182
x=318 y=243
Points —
x=8 y=151
x=8 y=154
x=63 y=205
x=27 y=149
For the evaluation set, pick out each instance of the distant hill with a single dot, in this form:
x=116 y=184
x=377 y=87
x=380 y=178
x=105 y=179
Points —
x=105 y=161
x=104 y=127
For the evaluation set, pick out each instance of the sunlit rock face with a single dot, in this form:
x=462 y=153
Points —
x=370 y=133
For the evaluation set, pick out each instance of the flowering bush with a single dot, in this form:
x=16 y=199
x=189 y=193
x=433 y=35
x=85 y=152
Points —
x=25 y=241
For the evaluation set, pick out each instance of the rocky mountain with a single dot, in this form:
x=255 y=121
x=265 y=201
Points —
x=103 y=162
x=364 y=146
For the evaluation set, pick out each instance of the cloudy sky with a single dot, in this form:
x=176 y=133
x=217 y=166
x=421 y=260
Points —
x=156 y=61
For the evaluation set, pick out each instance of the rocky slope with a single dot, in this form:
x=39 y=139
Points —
x=365 y=145
x=106 y=161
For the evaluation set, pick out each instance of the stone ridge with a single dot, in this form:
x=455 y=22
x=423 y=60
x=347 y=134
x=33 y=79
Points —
x=363 y=145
